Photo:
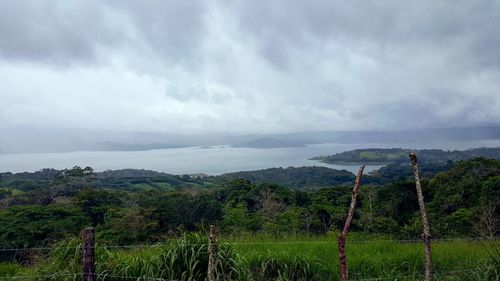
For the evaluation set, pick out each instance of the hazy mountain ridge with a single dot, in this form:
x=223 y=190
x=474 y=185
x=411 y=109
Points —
x=34 y=140
x=269 y=142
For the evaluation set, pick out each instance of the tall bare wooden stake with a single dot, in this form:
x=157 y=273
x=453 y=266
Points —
x=88 y=259
x=212 y=251
x=342 y=256
x=426 y=235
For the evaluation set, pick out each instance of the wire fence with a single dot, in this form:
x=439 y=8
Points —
x=108 y=275
x=39 y=276
x=466 y=239
x=78 y=275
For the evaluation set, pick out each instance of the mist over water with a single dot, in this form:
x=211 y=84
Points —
x=212 y=160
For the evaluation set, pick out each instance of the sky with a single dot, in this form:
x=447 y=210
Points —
x=249 y=66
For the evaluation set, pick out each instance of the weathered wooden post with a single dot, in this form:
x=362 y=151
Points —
x=212 y=253
x=88 y=259
x=426 y=235
x=342 y=256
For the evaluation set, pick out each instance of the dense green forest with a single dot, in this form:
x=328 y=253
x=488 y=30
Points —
x=138 y=206
x=283 y=222
x=399 y=155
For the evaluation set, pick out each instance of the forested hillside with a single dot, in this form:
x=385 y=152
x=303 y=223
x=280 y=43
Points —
x=292 y=177
x=399 y=155
x=131 y=206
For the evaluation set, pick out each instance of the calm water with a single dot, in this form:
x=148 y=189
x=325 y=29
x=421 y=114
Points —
x=216 y=160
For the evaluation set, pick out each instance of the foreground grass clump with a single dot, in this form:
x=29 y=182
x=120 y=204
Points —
x=185 y=258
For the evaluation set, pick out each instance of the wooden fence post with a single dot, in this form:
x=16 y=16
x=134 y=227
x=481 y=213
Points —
x=88 y=259
x=341 y=242
x=426 y=235
x=212 y=253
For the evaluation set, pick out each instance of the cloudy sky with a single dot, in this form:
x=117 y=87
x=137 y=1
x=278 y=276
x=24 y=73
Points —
x=249 y=66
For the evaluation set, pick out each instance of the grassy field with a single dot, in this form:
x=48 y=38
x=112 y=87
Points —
x=269 y=258
x=453 y=260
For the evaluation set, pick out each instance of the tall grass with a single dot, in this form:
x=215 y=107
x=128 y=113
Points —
x=264 y=257
x=184 y=259
x=453 y=260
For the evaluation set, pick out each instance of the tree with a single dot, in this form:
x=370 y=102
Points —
x=487 y=224
x=32 y=225
x=75 y=177
x=96 y=203
x=129 y=225
x=271 y=208
x=238 y=219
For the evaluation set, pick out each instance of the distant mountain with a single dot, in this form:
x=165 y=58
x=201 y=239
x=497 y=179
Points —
x=435 y=134
x=271 y=143
x=116 y=146
x=22 y=139
x=25 y=139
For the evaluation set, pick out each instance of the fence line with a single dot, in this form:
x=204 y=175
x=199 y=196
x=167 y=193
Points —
x=103 y=276
x=40 y=276
x=365 y=241
x=134 y=277
x=88 y=247
x=259 y=243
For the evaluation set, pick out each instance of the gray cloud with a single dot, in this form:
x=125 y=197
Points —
x=249 y=66
x=171 y=29
x=379 y=26
x=53 y=31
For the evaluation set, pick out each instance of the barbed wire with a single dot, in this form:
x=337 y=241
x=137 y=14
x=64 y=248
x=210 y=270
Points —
x=100 y=276
x=365 y=241
x=139 y=278
x=255 y=243
x=40 y=276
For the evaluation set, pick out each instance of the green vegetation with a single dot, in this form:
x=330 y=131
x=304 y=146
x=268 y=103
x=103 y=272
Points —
x=383 y=259
x=280 y=223
x=291 y=177
x=264 y=257
x=398 y=155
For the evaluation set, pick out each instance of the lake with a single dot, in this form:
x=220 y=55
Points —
x=213 y=160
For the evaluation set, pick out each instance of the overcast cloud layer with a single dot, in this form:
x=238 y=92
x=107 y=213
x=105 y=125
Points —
x=249 y=66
